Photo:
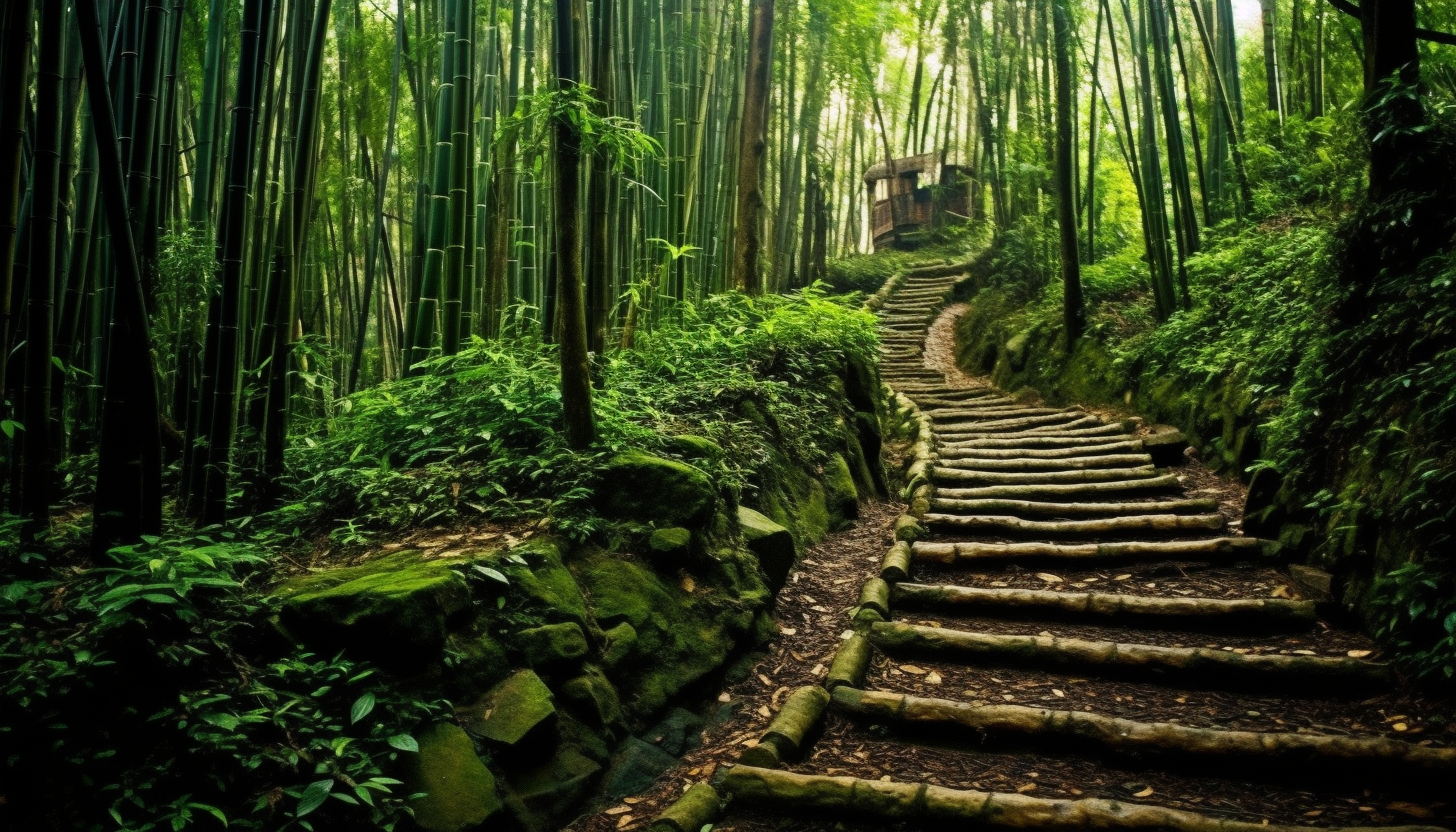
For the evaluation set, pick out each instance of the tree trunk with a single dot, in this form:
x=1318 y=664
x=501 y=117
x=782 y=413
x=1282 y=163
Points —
x=1074 y=313
x=223 y=360
x=15 y=39
x=576 y=393
x=752 y=143
x=1274 y=96
x=129 y=461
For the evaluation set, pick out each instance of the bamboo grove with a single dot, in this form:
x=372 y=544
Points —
x=217 y=216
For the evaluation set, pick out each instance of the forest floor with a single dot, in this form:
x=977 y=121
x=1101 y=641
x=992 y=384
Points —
x=813 y=616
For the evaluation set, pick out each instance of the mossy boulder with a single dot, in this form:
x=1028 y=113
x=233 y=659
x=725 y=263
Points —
x=635 y=767
x=544 y=587
x=643 y=488
x=796 y=500
x=692 y=447
x=620 y=641
x=841 y=498
x=541 y=794
x=552 y=645
x=511 y=711
x=670 y=545
x=459 y=792
x=395 y=611
x=481 y=663
x=680 y=636
x=771 y=544
x=593 y=699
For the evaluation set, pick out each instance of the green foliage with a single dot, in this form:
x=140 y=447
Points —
x=1259 y=296
x=622 y=141
x=1414 y=609
x=144 y=690
x=478 y=434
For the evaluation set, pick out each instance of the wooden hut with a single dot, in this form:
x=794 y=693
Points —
x=922 y=192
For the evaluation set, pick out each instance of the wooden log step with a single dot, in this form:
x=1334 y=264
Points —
x=1083 y=529
x=1033 y=508
x=1073 y=431
x=1294 y=754
x=971 y=399
x=980 y=401
x=1182 y=665
x=1218 y=548
x=1070 y=492
x=1031 y=442
x=1066 y=420
x=795 y=722
x=955 y=412
x=1110 y=607
x=1065 y=464
x=925 y=805
x=1129 y=447
x=945 y=472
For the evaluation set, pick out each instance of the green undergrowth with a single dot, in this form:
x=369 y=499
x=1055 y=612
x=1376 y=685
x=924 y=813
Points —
x=163 y=687
x=150 y=692
x=477 y=435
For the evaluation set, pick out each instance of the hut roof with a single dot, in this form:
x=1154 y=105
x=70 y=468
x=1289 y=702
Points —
x=909 y=164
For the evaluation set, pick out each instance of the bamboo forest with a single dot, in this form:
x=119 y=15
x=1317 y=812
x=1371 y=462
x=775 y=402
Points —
x=736 y=415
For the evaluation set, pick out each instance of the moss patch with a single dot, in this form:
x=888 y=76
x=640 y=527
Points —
x=643 y=488
x=393 y=611
x=459 y=791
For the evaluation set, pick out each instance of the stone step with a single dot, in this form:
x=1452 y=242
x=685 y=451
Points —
x=1207 y=549
x=1120 y=526
x=1179 y=666
x=1203 y=614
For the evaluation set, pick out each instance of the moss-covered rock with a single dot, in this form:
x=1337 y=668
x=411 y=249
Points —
x=395 y=611
x=541 y=794
x=841 y=498
x=671 y=545
x=619 y=643
x=771 y=544
x=552 y=645
x=644 y=488
x=480 y=664
x=459 y=792
x=512 y=710
x=692 y=447
x=635 y=767
x=544 y=588
x=593 y=699
x=680 y=636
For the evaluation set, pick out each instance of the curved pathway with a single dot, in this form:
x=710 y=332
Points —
x=1064 y=639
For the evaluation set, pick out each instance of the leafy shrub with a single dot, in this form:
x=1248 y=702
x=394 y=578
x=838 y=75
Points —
x=1414 y=609
x=146 y=691
x=478 y=434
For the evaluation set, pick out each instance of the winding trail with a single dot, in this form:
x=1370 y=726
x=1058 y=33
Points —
x=1063 y=638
